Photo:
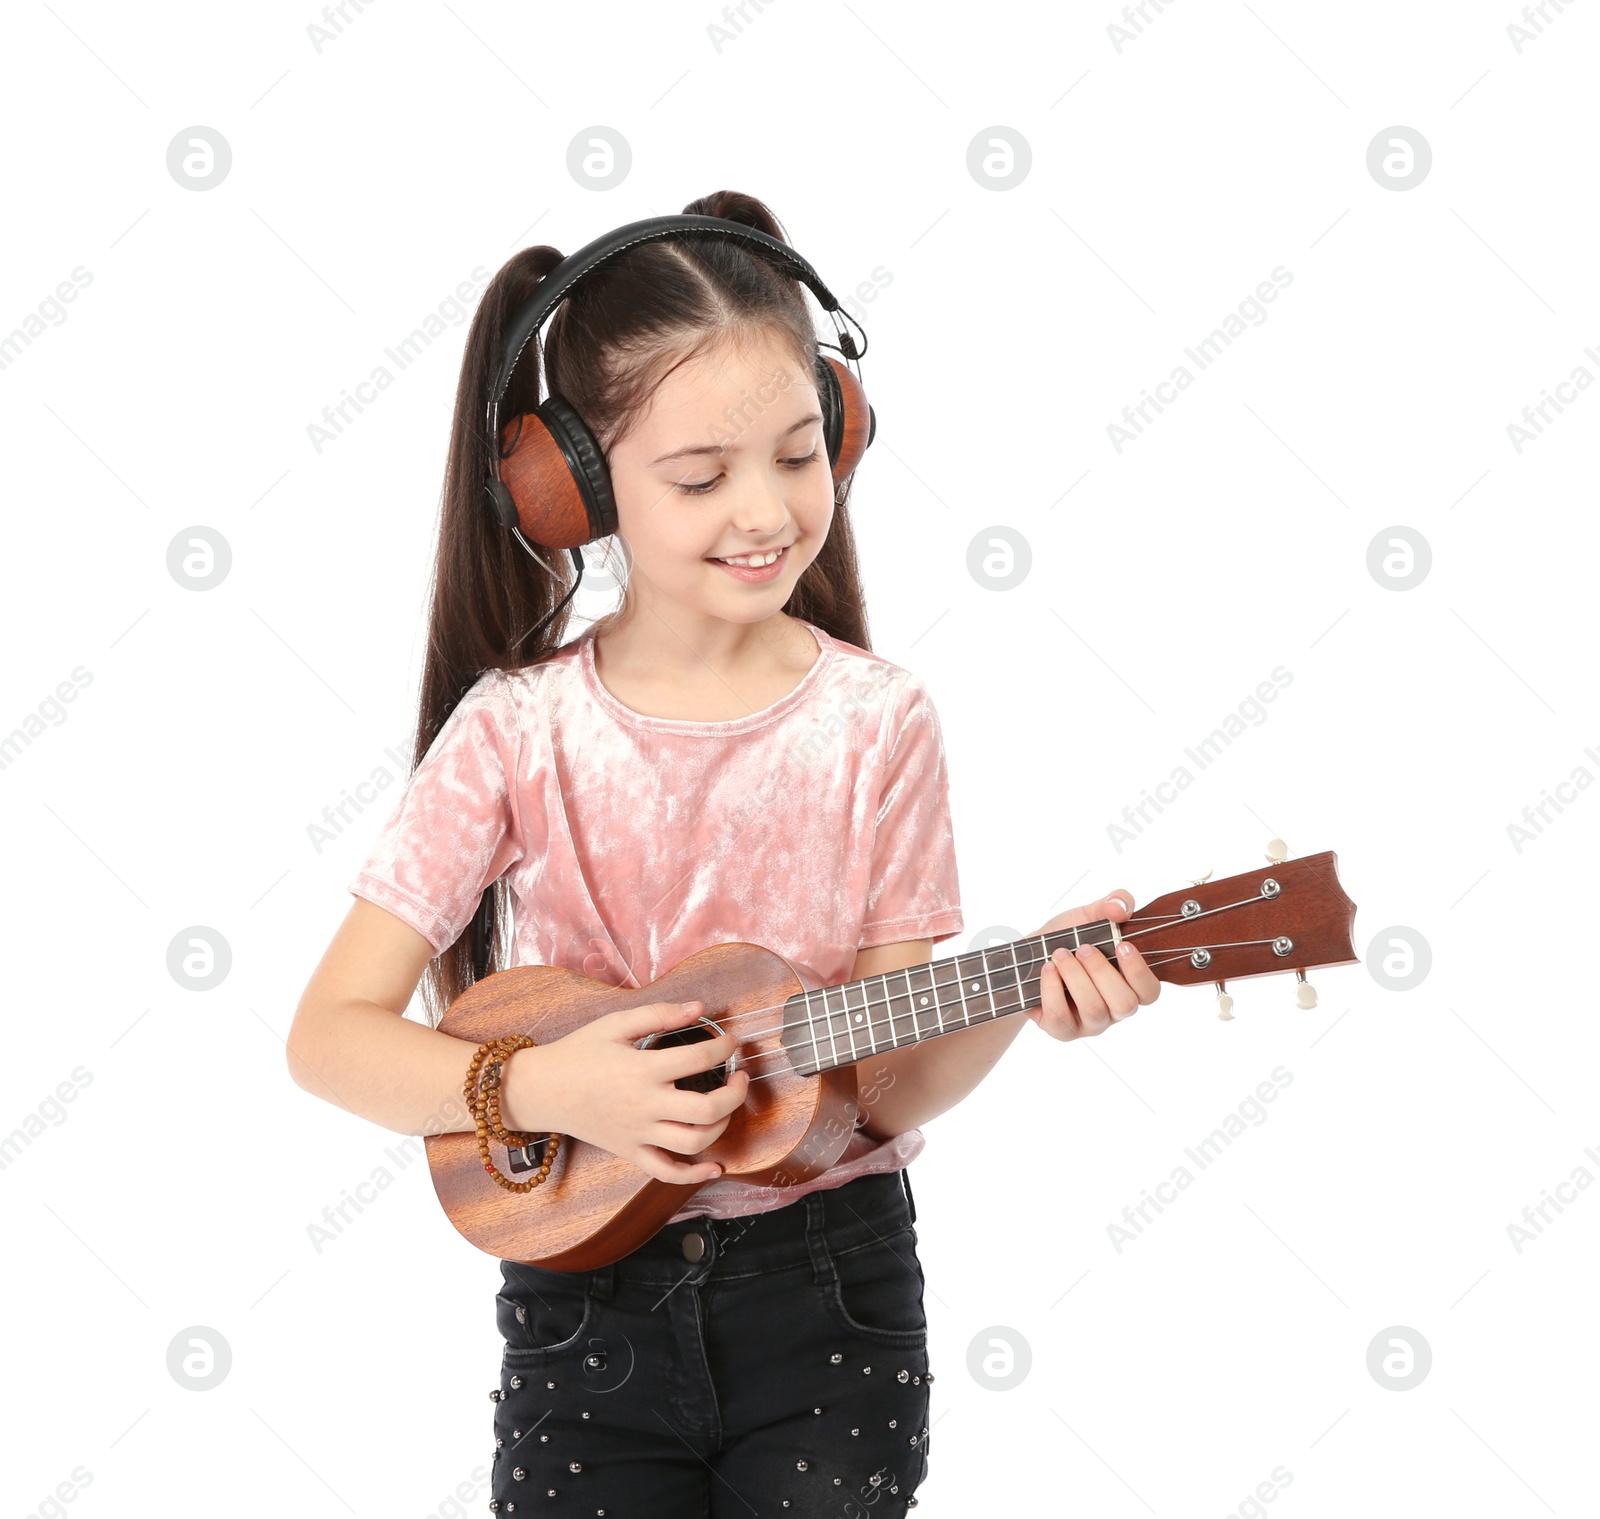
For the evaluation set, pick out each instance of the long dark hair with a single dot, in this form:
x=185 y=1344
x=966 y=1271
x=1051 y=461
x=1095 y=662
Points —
x=624 y=328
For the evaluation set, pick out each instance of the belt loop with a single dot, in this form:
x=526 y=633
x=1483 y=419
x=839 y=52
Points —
x=602 y=1282
x=816 y=1239
x=905 y=1184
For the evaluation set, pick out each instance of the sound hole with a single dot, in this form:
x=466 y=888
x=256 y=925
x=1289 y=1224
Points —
x=699 y=1081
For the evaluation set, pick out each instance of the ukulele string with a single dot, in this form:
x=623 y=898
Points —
x=1158 y=921
x=848 y=1037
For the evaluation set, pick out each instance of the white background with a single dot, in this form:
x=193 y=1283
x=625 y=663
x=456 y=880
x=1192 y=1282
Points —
x=1169 y=176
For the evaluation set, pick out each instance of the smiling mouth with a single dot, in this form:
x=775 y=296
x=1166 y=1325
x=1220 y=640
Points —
x=752 y=561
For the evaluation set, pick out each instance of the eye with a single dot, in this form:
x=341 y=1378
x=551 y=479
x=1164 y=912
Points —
x=704 y=487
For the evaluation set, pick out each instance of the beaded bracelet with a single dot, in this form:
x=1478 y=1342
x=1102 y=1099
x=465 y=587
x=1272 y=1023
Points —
x=484 y=1103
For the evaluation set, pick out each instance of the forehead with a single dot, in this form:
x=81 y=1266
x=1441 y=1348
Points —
x=758 y=366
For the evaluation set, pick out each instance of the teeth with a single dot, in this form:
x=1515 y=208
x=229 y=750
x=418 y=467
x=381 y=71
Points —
x=754 y=561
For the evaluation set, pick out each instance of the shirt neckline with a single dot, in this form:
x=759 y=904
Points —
x=624 y=714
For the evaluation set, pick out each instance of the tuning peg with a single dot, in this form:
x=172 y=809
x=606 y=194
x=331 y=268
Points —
x=1305 y=994
x=1200 y=880
x=1277 y=851
x=1224 y=1001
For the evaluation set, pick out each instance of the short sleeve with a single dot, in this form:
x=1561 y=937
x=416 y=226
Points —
x=914 y=892
x=456 y=827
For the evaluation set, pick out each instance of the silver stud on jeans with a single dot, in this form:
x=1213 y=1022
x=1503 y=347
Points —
x=835 y=1358
x=903 y=1376
x=800 y=1466
x=516 y=1382
x=574 y=1466
x=518 y=1474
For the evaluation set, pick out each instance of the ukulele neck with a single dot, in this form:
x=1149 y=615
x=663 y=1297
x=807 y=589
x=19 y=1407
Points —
x=837 y=1025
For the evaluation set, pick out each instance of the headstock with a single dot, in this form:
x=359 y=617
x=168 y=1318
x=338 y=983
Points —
x=1291 y=915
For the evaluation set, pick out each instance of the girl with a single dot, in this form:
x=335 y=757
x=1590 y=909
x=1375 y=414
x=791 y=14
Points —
x=721 y=758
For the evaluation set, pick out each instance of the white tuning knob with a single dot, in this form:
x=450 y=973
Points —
x=1200 y=880
x=1305 y=994
x=1277 y=851
x=1224 y=1001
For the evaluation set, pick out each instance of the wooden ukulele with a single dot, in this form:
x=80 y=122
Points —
x=800 y=1041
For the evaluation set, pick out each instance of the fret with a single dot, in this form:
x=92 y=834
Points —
x=921 y=1001
x=973 y=1009
x=849 y=1013
x=1009 y=982
x=862 y=1015
x=833 y=1038
x=988 y=977
x=1016 y=970
x=897 y=1009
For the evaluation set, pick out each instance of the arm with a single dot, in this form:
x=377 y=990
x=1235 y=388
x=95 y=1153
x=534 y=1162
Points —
x=350 y=1045
x=1079 y=998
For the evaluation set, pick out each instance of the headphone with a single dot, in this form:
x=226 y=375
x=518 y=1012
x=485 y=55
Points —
x=550 y=483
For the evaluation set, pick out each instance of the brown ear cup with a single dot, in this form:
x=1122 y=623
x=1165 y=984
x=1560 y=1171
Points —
x=556 y=477
x=852 y=422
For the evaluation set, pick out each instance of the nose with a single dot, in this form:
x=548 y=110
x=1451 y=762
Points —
x=760 y=508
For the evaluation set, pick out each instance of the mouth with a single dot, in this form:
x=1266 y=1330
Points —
x=755 y=568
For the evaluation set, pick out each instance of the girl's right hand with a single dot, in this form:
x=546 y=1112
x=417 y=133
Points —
x=597 y=1086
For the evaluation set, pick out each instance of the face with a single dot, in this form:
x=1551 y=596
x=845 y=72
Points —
x=728 y=460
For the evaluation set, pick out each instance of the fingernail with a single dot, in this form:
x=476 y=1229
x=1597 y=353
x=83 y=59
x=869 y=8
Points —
x=687 y=1007
x=1124 y=949
x=1085 y=952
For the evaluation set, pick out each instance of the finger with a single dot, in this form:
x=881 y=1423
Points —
x=632 y=1023
x=678 y=1106
x=1087 y=994
x=1136 y=969
x=687 y=1138
x=674 y=1061
x=1116 y=996
x=1054 y=1013
x=665 y=1166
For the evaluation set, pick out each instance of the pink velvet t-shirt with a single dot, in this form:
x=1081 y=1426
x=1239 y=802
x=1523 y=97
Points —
x=816 y=827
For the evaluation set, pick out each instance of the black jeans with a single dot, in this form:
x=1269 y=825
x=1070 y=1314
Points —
x=774 y=1364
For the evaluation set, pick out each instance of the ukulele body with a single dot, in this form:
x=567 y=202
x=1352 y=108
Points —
x=594 y=1207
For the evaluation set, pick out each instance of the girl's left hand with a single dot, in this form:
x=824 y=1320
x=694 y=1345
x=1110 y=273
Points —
x=1084 y=994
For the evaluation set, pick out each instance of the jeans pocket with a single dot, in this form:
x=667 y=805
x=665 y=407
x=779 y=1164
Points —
x=542 y=1313
x=877 y=1292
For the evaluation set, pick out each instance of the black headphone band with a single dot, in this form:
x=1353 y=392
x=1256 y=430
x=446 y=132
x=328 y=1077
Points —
x=557 y=285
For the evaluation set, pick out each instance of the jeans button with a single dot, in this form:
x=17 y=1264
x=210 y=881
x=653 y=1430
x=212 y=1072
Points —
x=694 y=1246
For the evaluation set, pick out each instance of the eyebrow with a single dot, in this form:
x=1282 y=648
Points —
x=720 y=448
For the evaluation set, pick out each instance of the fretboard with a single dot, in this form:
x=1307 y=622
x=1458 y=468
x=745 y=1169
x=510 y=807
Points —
x=838 y=1025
